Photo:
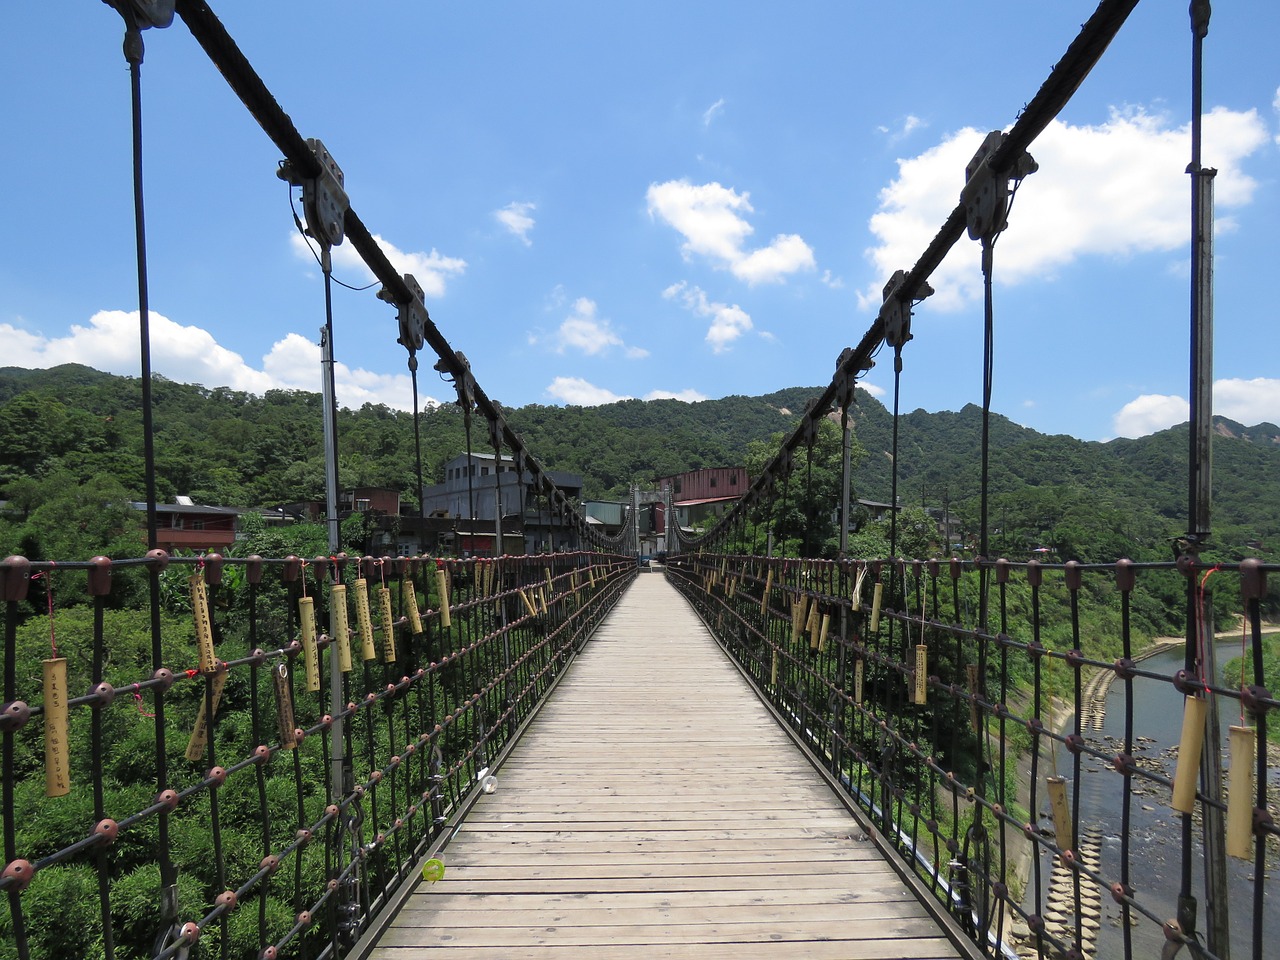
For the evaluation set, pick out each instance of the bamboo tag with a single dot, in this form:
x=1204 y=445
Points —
x=591 y=575
x=971 y=672
x=204 y=628
x=310 y=656
x=1061 y=812
x=822 y=636
x=858 y=672
x=815 y=624
x=442 y=588
x=410 y=594
x=773 y=673
x=339 y=628
x=528 y=604
x=57 y=761
x=364 y=622
x=764 y=597
x=200 y=734
x=1240 y=793
x=798 y=609
x=284 y=707
x=388 y=625
x=542 y=600
x=876 y=596
x=920 y=695
x=733 y=587
x=1189 y=748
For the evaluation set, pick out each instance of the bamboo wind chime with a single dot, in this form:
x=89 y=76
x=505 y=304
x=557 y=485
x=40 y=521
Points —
x=208 y=667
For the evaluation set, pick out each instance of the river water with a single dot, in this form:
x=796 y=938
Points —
x=1155 y=829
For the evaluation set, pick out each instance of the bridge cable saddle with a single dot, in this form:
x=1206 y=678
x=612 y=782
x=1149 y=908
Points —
x=324 y=198
x=412 y=316
x=986 y=193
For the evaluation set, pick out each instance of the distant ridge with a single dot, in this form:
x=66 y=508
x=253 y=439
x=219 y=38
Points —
x=228 y=447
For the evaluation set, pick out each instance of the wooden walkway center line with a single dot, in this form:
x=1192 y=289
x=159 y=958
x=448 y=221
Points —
x=655 y=809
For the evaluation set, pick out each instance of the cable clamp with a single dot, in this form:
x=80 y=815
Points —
x=895 y=311
x=324 y=198
x=986 y=191
x=412 y=316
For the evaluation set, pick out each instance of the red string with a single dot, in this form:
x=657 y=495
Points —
x=1200 y=638
x=137 y=700
x=53 y=639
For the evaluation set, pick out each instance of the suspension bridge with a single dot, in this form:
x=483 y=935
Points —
x=558 y=755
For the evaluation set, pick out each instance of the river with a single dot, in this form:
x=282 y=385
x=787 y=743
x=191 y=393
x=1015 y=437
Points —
x=1155 y=829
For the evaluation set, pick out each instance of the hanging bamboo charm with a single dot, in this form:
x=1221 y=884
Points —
x=410 y=594
x=364 y=622
x=57 y=760
x=764 y=597
x=388 y=625
x=822 y=634
x=310 y=655
x=1190 y=746
x=442 y=588
x=920 y=688
x=284 y=707
x=1061 y=812
x=814 y=625
x=204 y=626
x=876 y=596
x=200 y=734
x=1244 y=741
x=528 y=604
x=339 y=628
x=858 y=673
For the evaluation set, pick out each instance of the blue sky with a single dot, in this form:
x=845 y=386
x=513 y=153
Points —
x=607 y=200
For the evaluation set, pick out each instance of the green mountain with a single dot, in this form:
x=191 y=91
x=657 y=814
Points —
x=70 y=425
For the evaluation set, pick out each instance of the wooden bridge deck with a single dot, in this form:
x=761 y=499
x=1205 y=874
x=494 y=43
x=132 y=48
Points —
x=655 y=809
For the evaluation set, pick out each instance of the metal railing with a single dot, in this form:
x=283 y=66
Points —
x=1030 y=773
x=355 y=707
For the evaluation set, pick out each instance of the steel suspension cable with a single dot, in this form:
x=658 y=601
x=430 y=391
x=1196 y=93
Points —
x=134 y=53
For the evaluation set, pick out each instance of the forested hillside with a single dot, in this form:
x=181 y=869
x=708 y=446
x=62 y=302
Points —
x=72 y=437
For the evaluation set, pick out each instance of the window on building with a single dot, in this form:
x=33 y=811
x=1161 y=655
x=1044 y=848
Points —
x=713 y=481
x=484 y=471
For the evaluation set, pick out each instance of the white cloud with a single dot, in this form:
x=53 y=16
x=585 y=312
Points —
x=709 y=216
x=587 y=332
x=728 y=323
x=1149 y=413
x=190 y=354
x=515 y=217
x=1246 y=401
x=712 y=112
x=835 y=283
x=688 y=396
x=909 y=126
x=1115 y=189
x=872 y=389
x=1276 y=105
x=576 y=391
x=431 y=270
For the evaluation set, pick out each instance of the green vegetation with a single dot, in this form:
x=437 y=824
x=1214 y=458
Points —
x=73 y=443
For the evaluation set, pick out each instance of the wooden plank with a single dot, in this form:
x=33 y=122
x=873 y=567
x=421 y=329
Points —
x=655 y=809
